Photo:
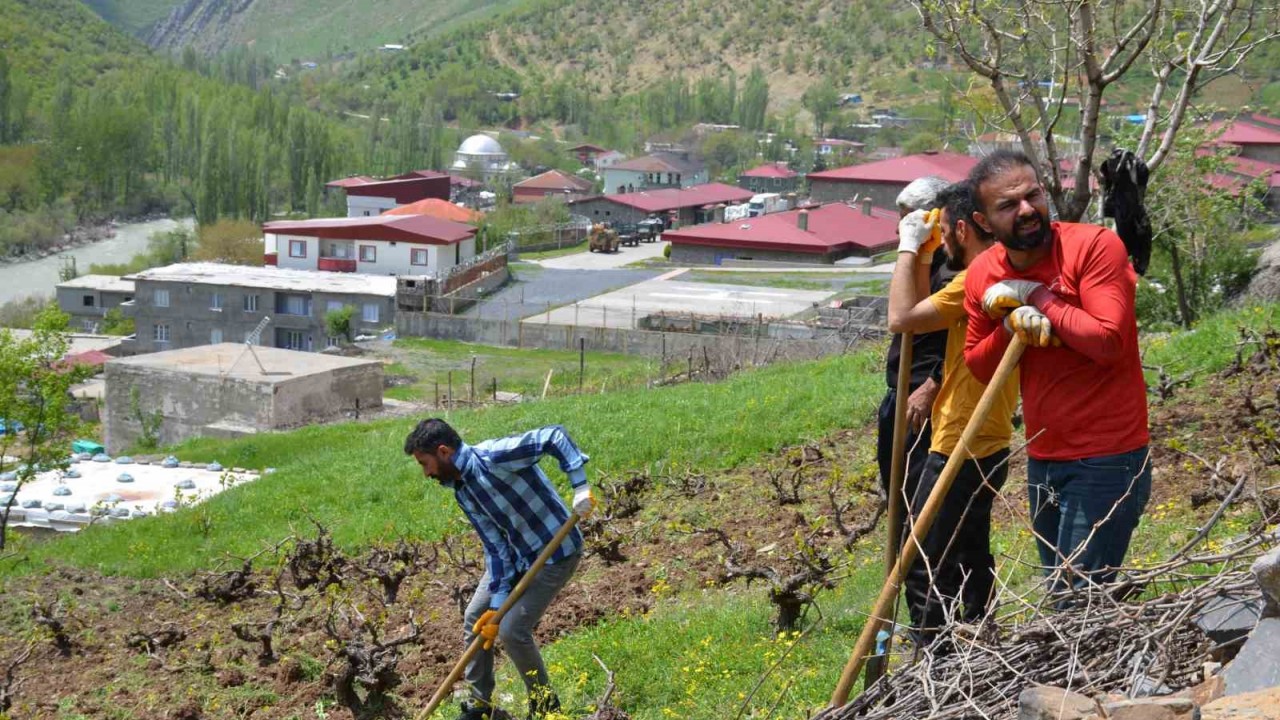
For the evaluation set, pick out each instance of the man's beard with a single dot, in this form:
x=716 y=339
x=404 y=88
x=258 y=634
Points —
x=1039 y=237
x=955 y=258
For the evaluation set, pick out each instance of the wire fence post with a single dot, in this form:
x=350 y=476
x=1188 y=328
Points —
x=473 y=379
x=449 y=400
x=582 y=362
x=495 y=389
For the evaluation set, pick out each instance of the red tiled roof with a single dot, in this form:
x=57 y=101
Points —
x=834 y=227
x=352 y=181
x=1264 y=119
x=658 y=162
x=439 y=209
x=93 y=358
x=554 y=180
x=949 y=166
x=1238 y=133
x=770 y=170
x=653 y=201
x=419 y=174
x=1249 y=167
x=420 y=229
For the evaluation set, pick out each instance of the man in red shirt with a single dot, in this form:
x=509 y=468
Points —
x=1084 y=400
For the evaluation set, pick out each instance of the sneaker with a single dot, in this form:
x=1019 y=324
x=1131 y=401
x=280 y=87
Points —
x=546 y=703
x=475 y=711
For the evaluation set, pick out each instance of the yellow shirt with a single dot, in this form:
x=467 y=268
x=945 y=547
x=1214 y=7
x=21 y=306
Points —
x=960 y=391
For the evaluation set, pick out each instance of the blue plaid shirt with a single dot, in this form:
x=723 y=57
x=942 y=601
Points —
x=513 y=505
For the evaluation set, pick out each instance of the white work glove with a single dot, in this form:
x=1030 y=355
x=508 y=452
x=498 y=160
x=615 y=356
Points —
x=1006 y=295
x=1031 y=325
x=583 y=503
x=914 y=230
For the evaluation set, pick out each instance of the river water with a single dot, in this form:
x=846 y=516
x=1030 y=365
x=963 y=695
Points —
x=39 y=276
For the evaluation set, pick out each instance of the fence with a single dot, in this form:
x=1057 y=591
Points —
x=549 y=237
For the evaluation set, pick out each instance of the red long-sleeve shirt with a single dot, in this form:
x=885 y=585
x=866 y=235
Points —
x=1087 y=398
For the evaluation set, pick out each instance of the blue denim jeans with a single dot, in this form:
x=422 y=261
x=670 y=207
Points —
x=1093 y=502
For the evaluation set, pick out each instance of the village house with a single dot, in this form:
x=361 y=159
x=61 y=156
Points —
x=818 y=234
x=88 y=298
x=836 y=146
x=607 y=160
x=366 y=198
x=684 y=206
x=440 y=210
x=770 y=178
x=653 y=172
x=550 y=184
x=587 y=153
x=882 y=181
x=192 y=304
x=382 y=245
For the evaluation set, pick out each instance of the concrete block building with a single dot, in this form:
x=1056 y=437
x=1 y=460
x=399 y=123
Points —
x=384 y=245
x=822 y=234
x=224 y=390
x=367 y=197
x=654 y=172
x=882 y=181
x=770 y=178
x=192 y=304
x=88 y=298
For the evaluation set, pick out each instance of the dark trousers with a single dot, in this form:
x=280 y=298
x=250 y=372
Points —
x=1085 y=511
x=917 y=447
x=955 y=565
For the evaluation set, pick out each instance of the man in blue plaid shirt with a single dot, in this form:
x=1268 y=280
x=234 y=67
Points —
x=516 y=511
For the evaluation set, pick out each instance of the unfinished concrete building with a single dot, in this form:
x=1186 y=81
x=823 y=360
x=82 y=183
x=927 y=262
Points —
x=231 y=390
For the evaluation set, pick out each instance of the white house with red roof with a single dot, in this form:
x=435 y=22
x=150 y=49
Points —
x=550 y=184
x=1256 y=135
x=883 y=180
x=818 y=234
x=659 y=170
x=381 y=245
x=770 y=177
x=685 y=206
x=367 y=197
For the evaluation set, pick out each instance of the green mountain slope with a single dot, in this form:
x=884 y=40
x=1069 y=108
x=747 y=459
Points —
x=309 y=29
x=132 y=16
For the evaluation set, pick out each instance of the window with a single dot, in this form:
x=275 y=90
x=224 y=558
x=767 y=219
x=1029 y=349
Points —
x=215 y=336
x=297 y=248
x=215 y=302
x=369 y=313
x=366 y=213
x=161 y=298
x=88 y=301
x=251 y=303
x=88 y=325
x=368 y=253
x=418 y=256
x=331 y=342
x=293 y=304
x=160 y=333
x=332 y=305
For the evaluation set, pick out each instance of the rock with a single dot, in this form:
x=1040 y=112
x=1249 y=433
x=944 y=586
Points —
x=76 y=507
x=113 y=498
x=214 y=466
x=187 y=484
x=1145 y=686
x=169 y=462
x=119 y=512
x=1162 y=708
x=5 y=499
x=1257 y=705
x=32 y=503
x=1227 y=619
x=1256 y=666
x=169 y=505
x=237 y=470
x=1206 y=692
x=72 y=473
x=138 y=513
x=53 y=506
x=1265 y=284
x=9 y=476
x=1042 y=702
x=124 y=460
x=62 y=491
x=60 y=516
x=124 y=478
x=8 y=487
x=186 y=465
x=102 y=457
x=1266 y=570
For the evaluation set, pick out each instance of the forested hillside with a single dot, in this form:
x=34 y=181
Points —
x=94 y=125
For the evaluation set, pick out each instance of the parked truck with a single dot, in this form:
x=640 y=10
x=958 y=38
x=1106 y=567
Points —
x=766 y=203
x=604 y=239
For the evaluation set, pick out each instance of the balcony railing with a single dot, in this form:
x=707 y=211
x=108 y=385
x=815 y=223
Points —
x=336 y=264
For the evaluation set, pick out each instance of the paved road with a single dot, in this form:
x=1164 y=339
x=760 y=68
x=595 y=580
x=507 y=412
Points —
x=537 y=287
x=600 y=261
x=621 y=308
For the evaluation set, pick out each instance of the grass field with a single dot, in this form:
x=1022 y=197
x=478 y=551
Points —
x=434 y=362
x=798 y=280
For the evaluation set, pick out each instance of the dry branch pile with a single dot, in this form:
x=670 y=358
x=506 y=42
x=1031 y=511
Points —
x=1099 y=645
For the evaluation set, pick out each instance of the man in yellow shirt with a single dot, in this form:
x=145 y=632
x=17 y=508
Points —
x=955 y=566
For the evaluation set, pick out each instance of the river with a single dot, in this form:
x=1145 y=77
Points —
x=39 y=276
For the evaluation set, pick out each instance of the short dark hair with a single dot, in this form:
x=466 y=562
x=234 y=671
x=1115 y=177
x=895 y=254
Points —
x=959 y=202
x=992 y=165
x=431 y=434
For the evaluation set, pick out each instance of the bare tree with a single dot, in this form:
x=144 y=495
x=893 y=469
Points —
x=1042 y=56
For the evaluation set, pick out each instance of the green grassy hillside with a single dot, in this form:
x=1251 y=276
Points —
x=132 y=16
